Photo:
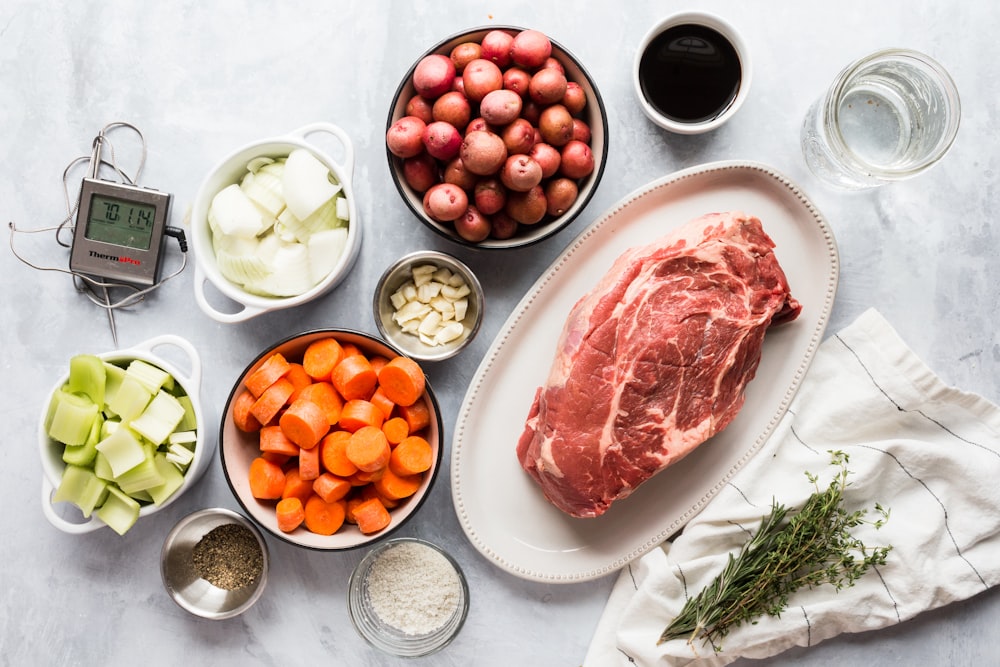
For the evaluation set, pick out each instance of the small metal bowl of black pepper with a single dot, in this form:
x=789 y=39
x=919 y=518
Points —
x=214 y=563
x=408 y=597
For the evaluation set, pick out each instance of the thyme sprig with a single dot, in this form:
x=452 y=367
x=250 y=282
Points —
x=812 y=548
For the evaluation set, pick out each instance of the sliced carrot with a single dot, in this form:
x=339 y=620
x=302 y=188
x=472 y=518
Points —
x=309 y=466
x=382 y=402
x=324 y=518
x=371 y=516
x=274 y=398
x=396 y=487
x=350 y=502
x=274 y=440
x=333 y=454
x=418 y=415
x=370 y=491
x=289 y=513
x=304 y=423
x=321 y=356
x=350 y=349
x=378 y=362
x=402 y=380
x=274 y=367
x=267 y=479
x=354 y=377
x=244 y=420
x=368 y=449
x=299 y=378
x=396 y=430
x=363 y=478
x=331 y=488
x=412 y=456
x=359 y=413
x=325 y=396
x=274 y=457
x=296 y=486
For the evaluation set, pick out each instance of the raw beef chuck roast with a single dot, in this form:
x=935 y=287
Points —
x=654 y=360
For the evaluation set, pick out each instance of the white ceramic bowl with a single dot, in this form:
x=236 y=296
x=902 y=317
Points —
x=400 y=272
x=724 y=28
x=594 y=114
x=229 y=170
x=182 y=582
x=237 y=449
x=71 y=520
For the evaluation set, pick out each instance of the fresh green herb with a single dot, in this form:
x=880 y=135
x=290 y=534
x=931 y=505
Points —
x=814 y=547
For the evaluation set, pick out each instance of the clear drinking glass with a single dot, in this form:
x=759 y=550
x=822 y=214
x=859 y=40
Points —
x=887 y=117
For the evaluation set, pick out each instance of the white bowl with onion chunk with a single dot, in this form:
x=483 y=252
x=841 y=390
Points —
x=429 y=304
x=275 y=225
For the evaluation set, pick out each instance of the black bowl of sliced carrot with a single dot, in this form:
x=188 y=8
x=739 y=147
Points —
x=331 y=439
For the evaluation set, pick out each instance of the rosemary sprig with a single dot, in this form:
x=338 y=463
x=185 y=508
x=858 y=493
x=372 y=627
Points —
x=812 y=548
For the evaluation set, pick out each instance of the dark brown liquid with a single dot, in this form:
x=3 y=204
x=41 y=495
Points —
x=690 y=73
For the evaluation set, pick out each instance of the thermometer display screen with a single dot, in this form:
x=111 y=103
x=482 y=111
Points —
x=120 y=222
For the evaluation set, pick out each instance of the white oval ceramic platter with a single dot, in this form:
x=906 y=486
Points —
x=502 y=510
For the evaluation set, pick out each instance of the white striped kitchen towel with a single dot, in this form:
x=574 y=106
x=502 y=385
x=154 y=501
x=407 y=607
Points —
x=926 y=451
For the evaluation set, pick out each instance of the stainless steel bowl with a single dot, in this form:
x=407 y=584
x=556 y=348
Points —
x=191 y=591
x=400 y=272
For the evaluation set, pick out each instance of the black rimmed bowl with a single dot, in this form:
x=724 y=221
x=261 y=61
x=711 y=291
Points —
x=594 y=114
x=237 y=449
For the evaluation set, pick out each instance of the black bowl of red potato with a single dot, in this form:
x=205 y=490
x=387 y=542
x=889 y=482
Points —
x=497 y=137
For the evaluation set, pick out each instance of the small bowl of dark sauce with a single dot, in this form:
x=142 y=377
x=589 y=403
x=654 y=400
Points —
x=692 y=72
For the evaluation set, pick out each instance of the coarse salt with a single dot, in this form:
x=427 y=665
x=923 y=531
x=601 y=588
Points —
x=413 y=588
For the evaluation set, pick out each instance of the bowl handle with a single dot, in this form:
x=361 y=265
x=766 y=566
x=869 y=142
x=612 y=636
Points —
x=200 y=280
x=62 y=524
x=192 y=383
x=329 y=128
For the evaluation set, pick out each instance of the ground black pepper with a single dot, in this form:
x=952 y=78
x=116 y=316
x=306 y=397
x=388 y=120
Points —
x=228 y=556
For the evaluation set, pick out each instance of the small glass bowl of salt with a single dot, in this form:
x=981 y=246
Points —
x=408 y=597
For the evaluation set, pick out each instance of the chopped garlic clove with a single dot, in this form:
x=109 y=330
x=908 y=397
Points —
x=449 y=332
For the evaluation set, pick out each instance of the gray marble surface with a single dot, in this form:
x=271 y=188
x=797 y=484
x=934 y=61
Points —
x=200 y=79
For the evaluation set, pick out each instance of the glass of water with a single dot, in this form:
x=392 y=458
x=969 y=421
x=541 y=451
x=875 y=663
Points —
x=887 y=117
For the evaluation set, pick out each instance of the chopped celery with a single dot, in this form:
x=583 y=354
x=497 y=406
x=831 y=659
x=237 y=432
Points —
x=81 y=487
x=172 y=480
x=151 y=377
x=72 y=418
x=83 y=455
x=159 y=419
x=123 y=450
x=87 y=376
x=190 y=421
x=119 y=511
x=180 y=455
x=130 y=399
x=179 y=437
x=102 y=468
x=141 y=477
x=113 y=376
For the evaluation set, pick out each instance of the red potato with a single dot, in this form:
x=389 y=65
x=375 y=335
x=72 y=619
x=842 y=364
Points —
x=495 y=47
x=518 y=137
x=452 y=108
x=581 y=131
x=464 y=53
x=442 y=140
x=489 y=195
x=553 y=63
x=458 y=85
x=547 y=156
x=531 y=111
x=420 y=107
x=547 y=86
x=455 y=172
x=433 y=75
x=555 y=125
x=575 y=99
x=520 y=173
x=483 y=153
x=500 y=107
x=560 y=194
x=405 y=137
x=445 y=202
x=420 y=172
x=517 y=79
x=528 y=207
x=472 y=225
x=502 y=226
x=480 y=77
x=478 y=125
x=530 y=49
x=577 y=160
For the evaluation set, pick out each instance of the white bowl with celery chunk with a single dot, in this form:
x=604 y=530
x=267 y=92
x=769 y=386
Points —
x=429 y=304
x=275 y=225
x=121 y=436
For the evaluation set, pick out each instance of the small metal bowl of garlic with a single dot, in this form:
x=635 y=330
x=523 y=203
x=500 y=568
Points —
x=429 y=305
